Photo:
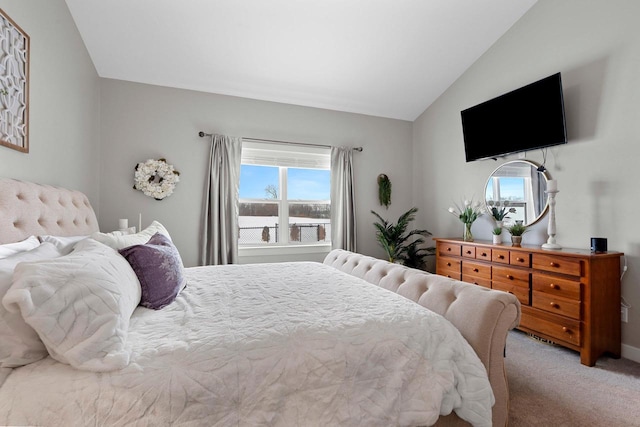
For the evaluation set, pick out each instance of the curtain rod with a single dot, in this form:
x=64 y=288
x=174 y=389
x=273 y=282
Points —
x=275 y=141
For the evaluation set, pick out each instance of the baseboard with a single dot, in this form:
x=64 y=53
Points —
x=631 y=353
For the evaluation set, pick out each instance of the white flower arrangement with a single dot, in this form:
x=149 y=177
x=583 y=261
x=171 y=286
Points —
x=156 y=178
x=469 y=213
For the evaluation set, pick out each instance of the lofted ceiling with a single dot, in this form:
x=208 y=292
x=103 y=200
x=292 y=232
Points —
x=387 y=58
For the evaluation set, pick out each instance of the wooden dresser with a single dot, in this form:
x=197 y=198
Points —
x=568 y=296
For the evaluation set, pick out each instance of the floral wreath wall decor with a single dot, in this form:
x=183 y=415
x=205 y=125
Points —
x=156 y=178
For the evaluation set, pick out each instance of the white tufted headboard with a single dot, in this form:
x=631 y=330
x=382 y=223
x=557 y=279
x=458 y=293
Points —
x=28 y=209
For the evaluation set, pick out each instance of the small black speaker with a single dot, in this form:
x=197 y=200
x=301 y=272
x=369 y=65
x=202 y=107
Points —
x=598 y=244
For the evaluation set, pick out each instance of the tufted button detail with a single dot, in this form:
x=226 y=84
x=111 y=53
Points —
x=20 y=196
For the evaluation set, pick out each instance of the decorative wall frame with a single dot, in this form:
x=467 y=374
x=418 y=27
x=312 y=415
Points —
x=14 y=85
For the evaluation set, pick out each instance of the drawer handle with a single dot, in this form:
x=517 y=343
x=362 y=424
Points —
x=469 y=252
x=510 y=277
x=449 y=265
x=565 y=329
x=448 y=249
x=520 y=259
x=476 y=270
x=484 y=254
x=476 y=283
x=553 y=264
x=553 y=286
x=501 y=256
x=553 y=305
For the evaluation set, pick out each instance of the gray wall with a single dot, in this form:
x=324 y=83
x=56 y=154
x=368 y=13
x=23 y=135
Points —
x=64 y=102
x=596 y=46
x=142 y=121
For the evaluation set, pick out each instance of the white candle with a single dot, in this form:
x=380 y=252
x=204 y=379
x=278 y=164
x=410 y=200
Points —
x=552 y=185
x=139 y=222
x=123 y=223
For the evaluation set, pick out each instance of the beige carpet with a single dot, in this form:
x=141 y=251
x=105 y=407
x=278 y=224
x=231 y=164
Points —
x=549 y=387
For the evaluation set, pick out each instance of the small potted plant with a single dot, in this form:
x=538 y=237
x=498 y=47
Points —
x=497 y=235
x=517 y=230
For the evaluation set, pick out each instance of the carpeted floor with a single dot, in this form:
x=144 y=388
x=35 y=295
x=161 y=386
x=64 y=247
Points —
x=549 y=387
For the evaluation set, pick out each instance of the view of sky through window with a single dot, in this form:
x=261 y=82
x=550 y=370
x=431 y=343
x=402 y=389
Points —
x=510 y=189
x=302 y=184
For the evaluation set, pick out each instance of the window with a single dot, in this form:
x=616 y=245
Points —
x=284 y=195
x=518 y=191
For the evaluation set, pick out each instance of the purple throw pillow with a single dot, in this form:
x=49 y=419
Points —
x=159 y=268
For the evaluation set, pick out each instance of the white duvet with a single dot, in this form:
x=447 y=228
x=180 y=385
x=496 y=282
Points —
x=291 y=344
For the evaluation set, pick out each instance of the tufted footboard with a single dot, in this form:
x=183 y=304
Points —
x=483 y=316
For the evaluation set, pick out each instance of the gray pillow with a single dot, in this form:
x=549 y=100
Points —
x=159 y=268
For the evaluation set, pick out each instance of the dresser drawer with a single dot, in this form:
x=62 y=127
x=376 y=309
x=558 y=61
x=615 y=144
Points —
x=523 y=259
x=476 y=269
x=480 y=281
x=483 y=254
x=556 y=327
x=500 y=255
x=449 y=249
x=468 y=251
x=520 y=292
x=556 y=286
x=555 y=304
x=449 y=267
x=558 y=264
x=508 y=275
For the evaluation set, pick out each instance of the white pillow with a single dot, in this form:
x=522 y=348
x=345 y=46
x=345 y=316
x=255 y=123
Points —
x=117 y=240
x=20 y=343
x=79 y=304
x=14 y=248
x=64 y=244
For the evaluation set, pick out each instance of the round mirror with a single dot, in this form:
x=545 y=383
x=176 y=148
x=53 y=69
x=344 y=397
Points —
x=518 y=189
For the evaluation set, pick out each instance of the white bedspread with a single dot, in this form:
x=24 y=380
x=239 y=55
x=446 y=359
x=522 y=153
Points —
x=292 y=344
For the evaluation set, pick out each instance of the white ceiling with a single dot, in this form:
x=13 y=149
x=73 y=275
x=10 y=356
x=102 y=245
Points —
x=388 y=58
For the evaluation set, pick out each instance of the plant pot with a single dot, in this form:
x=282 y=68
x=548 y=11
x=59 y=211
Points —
x=497 y=239
x=516 y=240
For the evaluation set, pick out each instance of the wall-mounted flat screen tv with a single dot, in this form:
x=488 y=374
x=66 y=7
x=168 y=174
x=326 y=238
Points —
x=525 y=119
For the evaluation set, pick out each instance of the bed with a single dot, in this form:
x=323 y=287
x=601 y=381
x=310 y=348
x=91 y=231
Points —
x=344 y=342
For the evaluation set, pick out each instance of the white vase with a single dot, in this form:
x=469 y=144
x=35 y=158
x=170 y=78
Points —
x=498 y=223
x=497 y=239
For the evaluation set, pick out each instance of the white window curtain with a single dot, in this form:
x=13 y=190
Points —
x=219 y=234
x=343 y=205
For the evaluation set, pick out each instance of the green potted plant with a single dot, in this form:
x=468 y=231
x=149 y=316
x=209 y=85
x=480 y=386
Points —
x=400 y=245
x=517 y=230
x=497 y=235
x=499 y=211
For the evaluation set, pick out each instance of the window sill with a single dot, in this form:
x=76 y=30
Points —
x=284 y=253
x=251 y=251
